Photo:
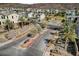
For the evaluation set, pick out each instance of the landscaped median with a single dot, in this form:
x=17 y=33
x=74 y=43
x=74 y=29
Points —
x=24 y=33
x=32 y=40
x=13 y=40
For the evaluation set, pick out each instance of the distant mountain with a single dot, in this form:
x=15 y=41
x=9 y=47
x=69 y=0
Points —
x=14 y=5
x=42 y=5
x=56 y=5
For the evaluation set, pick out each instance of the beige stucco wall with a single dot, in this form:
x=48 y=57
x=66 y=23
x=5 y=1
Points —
x=15 y=17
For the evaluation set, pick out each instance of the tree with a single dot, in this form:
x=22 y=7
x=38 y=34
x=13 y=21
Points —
x=62 y=14
x=9 y=25
x=69 y=33
x=35 y=23
x=38 y=27
x=43 y=24
x=21 y=21
x=76 y=11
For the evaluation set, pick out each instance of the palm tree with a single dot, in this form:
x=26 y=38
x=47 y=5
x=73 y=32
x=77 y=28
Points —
x=69 y=34
x=76 y=11
x=74 y=36
x=21 y=21
x=62 y=14
x=38 y=27
x=35 y=23
x=43 y=24
x=8 y=25
x=65 y=32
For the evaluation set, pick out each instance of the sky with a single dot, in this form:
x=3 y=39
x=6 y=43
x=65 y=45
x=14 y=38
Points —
x=39 y=1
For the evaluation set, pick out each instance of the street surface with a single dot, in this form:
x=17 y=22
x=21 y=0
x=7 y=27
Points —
x=35 y=50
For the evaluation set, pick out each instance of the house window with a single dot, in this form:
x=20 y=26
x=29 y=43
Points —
x=3 y=22
x=7 y=17
x=3 y=17
x=12 y=17
x=75 y=20
x=0 y=22
x=13 y=21
x=38 y=20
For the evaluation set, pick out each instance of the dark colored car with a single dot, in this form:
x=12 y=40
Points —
x=29 y=35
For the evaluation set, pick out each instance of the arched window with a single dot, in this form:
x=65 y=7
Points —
x=3 y=17
x=75 y=20
x=3 y=22
x=0 y=22
x=13 y=21
x=12 y=17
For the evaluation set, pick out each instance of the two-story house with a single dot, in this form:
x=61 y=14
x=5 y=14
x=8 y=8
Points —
x=9 y=16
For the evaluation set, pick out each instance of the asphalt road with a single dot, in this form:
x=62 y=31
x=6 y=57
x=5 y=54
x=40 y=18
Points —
x=9 y=49
x=35 y=50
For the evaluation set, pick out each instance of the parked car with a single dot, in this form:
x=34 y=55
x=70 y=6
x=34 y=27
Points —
x=26 y=41
x=29 y=35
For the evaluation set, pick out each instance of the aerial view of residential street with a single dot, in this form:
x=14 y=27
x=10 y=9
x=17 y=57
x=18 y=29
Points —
x=43 y=29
